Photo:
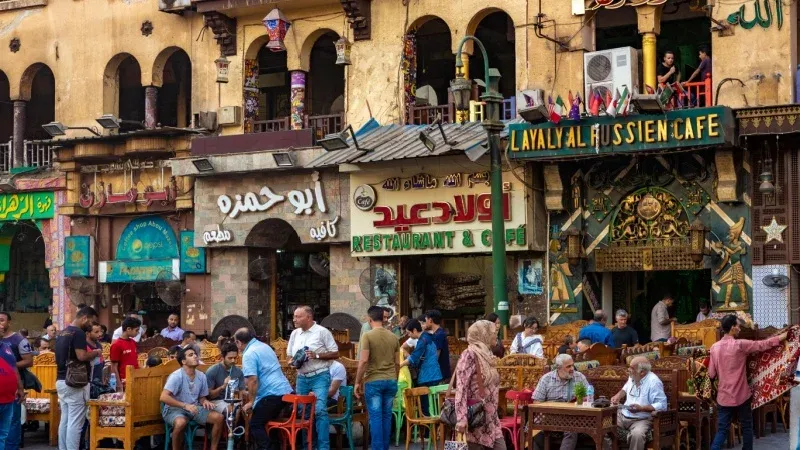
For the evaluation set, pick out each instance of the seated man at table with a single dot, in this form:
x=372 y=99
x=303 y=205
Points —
x=221 y=373
x=643 y=394
x=559 y=386
x=596 y=331
x=185 y=399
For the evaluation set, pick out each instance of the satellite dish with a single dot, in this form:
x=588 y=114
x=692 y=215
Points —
x=426 y=96
x=776 y=280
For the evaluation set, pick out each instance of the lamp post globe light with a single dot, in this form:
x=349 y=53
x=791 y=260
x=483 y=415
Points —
x=460 y=87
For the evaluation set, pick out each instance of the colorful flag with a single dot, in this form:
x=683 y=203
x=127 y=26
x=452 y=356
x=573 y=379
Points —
x=575 y=109
x=623 y=102
x=557 y=110
x=594 y=103
x=649 y=89
x=570 y=97
x=611 y=106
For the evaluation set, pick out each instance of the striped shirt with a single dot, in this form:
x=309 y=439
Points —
x=552 y=388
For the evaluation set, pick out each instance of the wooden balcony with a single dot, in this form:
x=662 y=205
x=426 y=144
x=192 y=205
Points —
x=326 y=124
x=426 y=115
x=269 y=126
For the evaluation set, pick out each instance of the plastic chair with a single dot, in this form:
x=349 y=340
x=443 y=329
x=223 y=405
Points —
x=434 y=396
x=398 y=411
x=513 y=424
x=344 y=418
x=296 y=423
x=414 y=416
x=188 y=435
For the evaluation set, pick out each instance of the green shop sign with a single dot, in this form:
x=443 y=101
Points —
x=133 y=271
x=608 y=135
x=30 y=205
x=403 y=243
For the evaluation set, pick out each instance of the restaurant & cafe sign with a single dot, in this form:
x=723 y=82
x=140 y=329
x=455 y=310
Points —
x=605 y=135
x=431 y=212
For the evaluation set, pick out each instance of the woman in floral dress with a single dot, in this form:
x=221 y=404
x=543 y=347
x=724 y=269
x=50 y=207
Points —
x=481 y=336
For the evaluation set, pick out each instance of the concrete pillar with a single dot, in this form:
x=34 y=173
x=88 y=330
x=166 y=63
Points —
x=20 y=106
x=297 y=97
x=608 y=296
x=648 y=20
x=150 y=107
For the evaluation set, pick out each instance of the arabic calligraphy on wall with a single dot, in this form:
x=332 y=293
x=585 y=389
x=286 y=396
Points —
x=25 y=206
x=301 y=200
x=762 y=16
x=614 y=4
x=128 y=182
x=434 y=215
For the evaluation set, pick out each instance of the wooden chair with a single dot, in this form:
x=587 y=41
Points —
x=359 y=409
x=142 y=357
x=414 y=416
x=522 y=360
x=106 y=351
x=145 y=345
x=605 y=355
x=43 y=406
x=296 y=422
x=280 y=345
x=346 y=349
x=706 y=332
x=159 y=352
x=340 y=335
x=210 y=354
x=142 y=407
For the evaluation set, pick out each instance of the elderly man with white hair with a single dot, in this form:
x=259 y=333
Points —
x=642 y=395
x=559 y=386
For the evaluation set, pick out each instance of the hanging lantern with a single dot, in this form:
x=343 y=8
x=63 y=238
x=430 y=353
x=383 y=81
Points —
x=343 y=51
x=697 y=239
x=277 y=26
x=222 y=64
x=574 y=250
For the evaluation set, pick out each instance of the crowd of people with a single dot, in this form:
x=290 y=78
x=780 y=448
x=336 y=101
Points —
x=194 y=396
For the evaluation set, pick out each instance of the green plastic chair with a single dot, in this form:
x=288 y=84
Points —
x=399 y=411
x=188 y=435
x=433 y=398
x=344 y=419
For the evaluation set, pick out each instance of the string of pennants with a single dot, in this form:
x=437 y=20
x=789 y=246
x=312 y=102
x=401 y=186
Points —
x=618 y=104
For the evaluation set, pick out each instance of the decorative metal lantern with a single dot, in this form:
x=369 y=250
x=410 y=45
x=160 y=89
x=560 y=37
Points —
x=222 y=64
x=343 y=51
x=574 y=251
x=277 y=26
x=461 y=88
x=697 y=240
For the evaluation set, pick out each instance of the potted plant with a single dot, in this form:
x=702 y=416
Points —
x=580 y=393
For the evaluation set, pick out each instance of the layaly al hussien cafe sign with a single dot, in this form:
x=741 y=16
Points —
x=695 y=127
x=431 y=212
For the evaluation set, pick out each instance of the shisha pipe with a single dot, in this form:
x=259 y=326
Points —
x=233 y=406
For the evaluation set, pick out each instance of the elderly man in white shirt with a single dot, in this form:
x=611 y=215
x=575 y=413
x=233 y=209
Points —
x=642 y=395
x=314 y=374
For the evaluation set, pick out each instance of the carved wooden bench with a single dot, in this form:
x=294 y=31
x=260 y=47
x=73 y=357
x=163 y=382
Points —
x=141 y=405
x=43 y=406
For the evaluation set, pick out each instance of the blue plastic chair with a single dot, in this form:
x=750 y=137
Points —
x=188 y=435
x=344 y=419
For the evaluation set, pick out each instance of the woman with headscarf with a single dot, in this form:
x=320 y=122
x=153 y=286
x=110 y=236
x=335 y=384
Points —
x=472 y=386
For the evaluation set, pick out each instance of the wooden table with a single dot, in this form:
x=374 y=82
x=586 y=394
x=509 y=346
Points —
x=569 y=417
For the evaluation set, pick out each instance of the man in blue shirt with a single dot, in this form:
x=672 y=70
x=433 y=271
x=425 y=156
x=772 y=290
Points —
x=596 y=331
x=262 y=375
x=433 y=324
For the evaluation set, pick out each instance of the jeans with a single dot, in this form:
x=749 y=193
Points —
x=745 y=421
x=267 y=409
x=15 y=428
x=379 y=397
x=73 y=414
x=5 y=423
x=319 y=384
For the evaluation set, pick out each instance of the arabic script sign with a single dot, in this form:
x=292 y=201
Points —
x=31 y=205
x=764 y=20
x=440 y=215
x=606 y=135
x=301 y=200
x=147 y=238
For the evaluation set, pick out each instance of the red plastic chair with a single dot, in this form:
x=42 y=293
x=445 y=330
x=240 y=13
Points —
x=296 y=423
x=513 y=425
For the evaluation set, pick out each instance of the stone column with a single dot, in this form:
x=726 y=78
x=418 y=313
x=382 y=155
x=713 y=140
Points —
x=150 y=107
x=297 y=98
x=648 y=20
x=20 y=106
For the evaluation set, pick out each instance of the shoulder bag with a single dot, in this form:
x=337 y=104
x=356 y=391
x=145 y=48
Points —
x=476 y=413
x=77 y=371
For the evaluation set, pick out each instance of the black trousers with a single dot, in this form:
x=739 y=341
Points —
x=267 y=409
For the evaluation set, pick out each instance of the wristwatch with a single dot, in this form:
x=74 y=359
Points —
x=316 y=355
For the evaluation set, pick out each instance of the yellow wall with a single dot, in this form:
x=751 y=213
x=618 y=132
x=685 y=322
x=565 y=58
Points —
x=78 y=39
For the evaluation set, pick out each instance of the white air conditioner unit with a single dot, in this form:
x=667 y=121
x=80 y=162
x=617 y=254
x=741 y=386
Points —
x=174 y=5
x=608 y=70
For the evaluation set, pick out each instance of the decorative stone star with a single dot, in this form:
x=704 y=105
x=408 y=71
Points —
x=774 y=231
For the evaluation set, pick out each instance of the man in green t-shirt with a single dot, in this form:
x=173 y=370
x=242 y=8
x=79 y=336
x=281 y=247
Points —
x=379 y=356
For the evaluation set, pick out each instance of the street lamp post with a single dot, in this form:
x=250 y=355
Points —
x=461 y=88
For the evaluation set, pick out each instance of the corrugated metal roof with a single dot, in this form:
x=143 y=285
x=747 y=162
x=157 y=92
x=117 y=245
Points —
x=392 y=142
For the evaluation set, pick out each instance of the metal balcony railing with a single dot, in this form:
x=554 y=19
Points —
x=37 y=154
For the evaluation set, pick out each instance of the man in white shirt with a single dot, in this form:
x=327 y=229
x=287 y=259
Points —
x=705 y=312
x=313 y=375
x=134 y=314
x=643 y=394
x=338 y=379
